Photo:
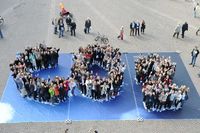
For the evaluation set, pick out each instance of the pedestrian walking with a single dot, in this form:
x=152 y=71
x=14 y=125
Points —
x=73 y=28
x=184 y=28
x=121 y=34
x=197 y=31
x=143 y=26
x=177 y=30
x=68 y=22
x=87 y=25
x=194 y=54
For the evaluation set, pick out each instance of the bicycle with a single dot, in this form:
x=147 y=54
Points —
x=102 y=38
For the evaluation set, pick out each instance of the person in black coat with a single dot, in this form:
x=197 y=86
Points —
x=143 y=26
x=68 y=22
x=87 y=26
x=132 y=28
x=73 y=28
x=184 y=28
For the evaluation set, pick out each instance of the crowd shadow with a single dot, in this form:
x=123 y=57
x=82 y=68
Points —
x=144 y=37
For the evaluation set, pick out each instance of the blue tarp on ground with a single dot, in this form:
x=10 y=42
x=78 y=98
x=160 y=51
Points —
x=127 y=106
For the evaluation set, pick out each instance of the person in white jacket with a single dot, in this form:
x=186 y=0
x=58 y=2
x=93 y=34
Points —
x=177 y=30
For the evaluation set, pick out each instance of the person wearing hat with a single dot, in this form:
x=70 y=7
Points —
x=87 y=25
x=194 y=54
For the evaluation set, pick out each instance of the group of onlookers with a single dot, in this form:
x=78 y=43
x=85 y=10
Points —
x=93 y=85
x=66 y=20
x=62 y=22
x=156 y=73
x=136 y=27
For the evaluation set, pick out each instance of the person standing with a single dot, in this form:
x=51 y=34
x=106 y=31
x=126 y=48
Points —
x=184 y=28
x=196 y=6
x=1 y=34
x=177 y=30
x=55 y=23
x=132 y=28
x=121 y=34
x=143 y=26
x=68 y=22
x=61 y=28
x=72 y=86
x=137 y=30
x=73 y=28
x=194 y=54
x=87 y=25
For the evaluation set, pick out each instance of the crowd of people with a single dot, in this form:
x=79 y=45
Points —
x=156 y=73
x=33 y=87
x=94 y=86
x=57 y=90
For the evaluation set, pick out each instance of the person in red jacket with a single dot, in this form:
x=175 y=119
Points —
x=88 y=56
